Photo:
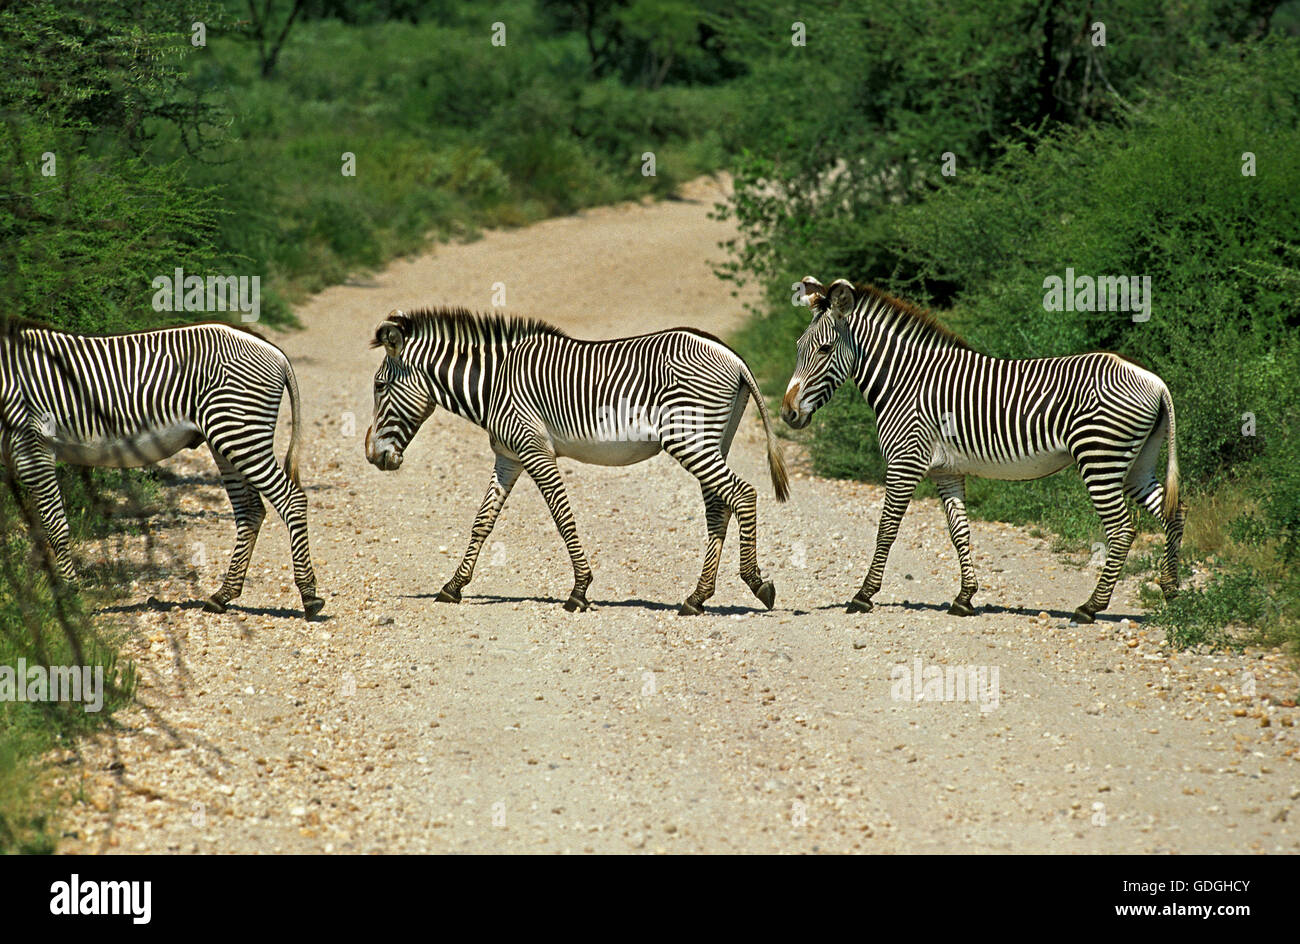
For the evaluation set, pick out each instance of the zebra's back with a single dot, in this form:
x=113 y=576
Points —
x=1023 y=419
x=131 y=399
x=613 y=402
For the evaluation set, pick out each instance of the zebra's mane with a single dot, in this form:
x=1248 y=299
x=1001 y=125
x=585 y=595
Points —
x=12 y=326
x=908 y=310
x=461 y=321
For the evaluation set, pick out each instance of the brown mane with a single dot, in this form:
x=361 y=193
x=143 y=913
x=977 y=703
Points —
x=460 y=318
x=915 y=313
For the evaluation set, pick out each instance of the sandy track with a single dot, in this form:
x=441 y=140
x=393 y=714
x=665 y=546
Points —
x=507 y=724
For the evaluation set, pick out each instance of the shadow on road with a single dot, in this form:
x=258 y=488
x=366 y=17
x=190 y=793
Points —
x=156 y=605
x=595 y=604
x=1066 y=615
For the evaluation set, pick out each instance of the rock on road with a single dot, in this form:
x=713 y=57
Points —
x=397 y=724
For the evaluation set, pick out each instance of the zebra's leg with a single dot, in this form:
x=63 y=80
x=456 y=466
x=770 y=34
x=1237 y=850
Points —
x=33 y=465
x=1108 y=498
x=952 y=489
x=1148 y=492
x=1169 y=562
x=718 y=516
x=539 y=463
x=256 y=463
x=708 y=465
x=504 y=475
x=899 y=488
x=249 y=514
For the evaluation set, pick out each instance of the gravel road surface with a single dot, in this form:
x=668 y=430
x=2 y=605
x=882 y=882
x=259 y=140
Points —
x=505 y=724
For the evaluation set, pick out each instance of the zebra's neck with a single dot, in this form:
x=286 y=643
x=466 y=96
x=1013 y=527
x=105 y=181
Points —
x=894 y=343
x=462 y=356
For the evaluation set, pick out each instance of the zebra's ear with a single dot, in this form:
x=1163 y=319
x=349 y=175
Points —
x=389 y=334
x=813 y=294
x=842 y=297
x=812 y=288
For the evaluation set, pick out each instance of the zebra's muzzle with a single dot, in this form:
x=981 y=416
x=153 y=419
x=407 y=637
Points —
x=795 y=419
x=386 y=459
x=790 y=411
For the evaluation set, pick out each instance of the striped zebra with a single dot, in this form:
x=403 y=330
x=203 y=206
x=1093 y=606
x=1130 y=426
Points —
x=541 y=394
x=131 y=400
x=947 y=411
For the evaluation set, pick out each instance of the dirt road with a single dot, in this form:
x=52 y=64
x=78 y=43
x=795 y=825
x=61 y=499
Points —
x=398 y=724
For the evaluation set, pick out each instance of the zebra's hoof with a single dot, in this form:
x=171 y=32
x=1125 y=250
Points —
x=1169 y=592
x=448 y=594
x=311 y=607
x=1084 y=616
x=689 y=609
x=576 y=602
x=766 y=594
x=859 y=605
x=213 y=605
x=959 y=608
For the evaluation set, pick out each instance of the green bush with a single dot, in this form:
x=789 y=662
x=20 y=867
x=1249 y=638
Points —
x=1199 y=616
x=1162 y=196
x=450 y=135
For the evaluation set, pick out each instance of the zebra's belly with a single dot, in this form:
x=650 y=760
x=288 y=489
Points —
x=127 y=451
x=613 y=452
x=951 y=461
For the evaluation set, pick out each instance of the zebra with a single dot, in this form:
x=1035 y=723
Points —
x=947 y=411
x=130 y=400
x=541 y=394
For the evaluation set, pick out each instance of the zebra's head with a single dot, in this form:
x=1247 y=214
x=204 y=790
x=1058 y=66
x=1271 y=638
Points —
x=825 y=351
x=403 y=399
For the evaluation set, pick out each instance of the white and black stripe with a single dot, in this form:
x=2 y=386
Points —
x=134 y=399
x=541 y=394
x=946 y=411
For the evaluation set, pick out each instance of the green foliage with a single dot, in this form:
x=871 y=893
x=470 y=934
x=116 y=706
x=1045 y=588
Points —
x=88 y=215
x=29 y=730
x=859 y=121
x=1198 y=617
x=44 y=623
x=81 y=249
x=450 y=134
x=652 y=42
x=1162 y=196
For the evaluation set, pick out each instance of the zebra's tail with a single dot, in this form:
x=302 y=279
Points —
x=1170 y=506
x=295 y=416
x=775 y=461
